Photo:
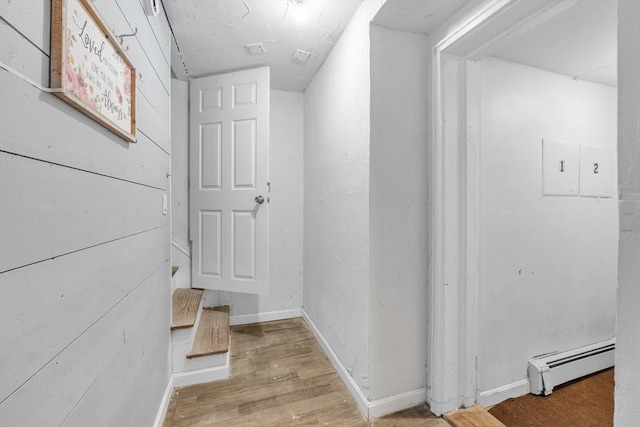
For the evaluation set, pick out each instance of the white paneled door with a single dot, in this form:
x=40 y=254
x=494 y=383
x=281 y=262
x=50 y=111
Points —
x=229 y=210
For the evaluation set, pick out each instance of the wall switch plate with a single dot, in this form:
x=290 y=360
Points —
x=596 y=171
x=560 y=168
x=165 y=204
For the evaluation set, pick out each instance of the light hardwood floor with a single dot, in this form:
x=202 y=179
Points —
x=279 y=377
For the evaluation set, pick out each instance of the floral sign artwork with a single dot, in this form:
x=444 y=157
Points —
x=90 y=67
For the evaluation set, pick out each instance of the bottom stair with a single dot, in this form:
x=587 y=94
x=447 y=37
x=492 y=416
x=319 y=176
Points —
x=212 y=336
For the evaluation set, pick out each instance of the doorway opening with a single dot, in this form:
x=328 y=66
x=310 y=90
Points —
x=520 y=269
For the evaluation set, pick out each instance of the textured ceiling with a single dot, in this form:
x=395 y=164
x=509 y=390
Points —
x=419 y=16
x=212 y=35
x=579 y=42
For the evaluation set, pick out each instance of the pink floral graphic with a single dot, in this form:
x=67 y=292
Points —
x=119 y=95
x=75 y=83
x=95 y=73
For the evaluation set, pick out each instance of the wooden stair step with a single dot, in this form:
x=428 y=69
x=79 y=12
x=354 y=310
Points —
x=475 y=416
x=212 y=336
x=185 y=307
x=174 y=270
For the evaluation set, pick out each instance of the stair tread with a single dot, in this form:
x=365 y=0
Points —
x=174 y=270
x=185 y=307
x=212 y=336
x=471 y=417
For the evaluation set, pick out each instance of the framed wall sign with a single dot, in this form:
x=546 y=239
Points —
x=92 y=71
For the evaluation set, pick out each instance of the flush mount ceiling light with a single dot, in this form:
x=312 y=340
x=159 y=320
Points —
x=299 y=13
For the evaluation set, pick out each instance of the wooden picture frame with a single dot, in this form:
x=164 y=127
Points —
x=90 y=69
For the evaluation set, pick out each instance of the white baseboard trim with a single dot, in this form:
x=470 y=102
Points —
x=389 y=405
x=183 y=379
x=164 y=404
x=441 y=408
x=500 y=394
x=361 y=400
x=370 y=409
x=179 y=246
x=245 y=319
x=217 y=373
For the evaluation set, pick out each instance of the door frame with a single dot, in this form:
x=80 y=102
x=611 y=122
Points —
x=455 y=195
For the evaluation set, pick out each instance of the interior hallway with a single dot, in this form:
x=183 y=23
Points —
x=279 y=377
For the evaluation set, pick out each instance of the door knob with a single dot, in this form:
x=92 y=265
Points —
x=259 y=200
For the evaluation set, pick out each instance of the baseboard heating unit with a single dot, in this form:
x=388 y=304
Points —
x=550 y=370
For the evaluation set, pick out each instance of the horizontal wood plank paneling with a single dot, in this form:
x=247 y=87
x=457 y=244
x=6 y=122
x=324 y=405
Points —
x=149 y=401
x=154 y=86
x=114 y=396
x=51 y=210
x=85 y=293
x=161 y=31
x=92 y=147
x=150 y=83
x=31 y=18
x=61 y=383
x=134 y=12
x=36 y=303
x=19 y=54
x=152 y=125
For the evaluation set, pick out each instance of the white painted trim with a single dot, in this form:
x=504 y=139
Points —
x=183 y=379
x=361 y=400
x=245 y=319
x=389 y=405
x=181 y=248
x=28 y=80
x=500 y=394
x=370 y=409
x=453 y=296
x=164 y=404
x=217 y=373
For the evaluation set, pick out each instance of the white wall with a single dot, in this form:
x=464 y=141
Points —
x=285 y=217
x=84 y=247
x=548 y=265
x=627 y=401
x=180 y=247
x=398 y=212
x=336 y=197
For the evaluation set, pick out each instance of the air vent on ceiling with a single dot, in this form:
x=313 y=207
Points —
x=255 y=48
x=300 y=55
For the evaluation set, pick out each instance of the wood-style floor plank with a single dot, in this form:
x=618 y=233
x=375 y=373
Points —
x=185 y=303
x=279 y=377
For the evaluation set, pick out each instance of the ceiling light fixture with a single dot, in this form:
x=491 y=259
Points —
x=298 y=12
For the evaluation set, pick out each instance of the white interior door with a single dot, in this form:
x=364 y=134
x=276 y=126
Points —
x=229 y=210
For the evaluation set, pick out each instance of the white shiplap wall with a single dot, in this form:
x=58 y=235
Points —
x=84 y=246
